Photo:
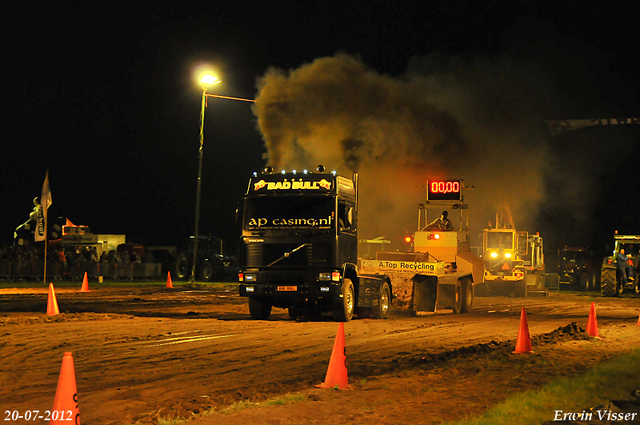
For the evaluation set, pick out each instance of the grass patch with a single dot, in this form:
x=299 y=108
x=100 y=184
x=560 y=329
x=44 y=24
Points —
x=610 y=381
x=237 y=406
x=169 y=421
x=241 y=405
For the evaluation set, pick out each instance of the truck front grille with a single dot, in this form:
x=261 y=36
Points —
x=258 y=255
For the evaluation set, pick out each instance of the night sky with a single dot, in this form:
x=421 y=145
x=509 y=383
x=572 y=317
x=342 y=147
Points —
x=103 y=94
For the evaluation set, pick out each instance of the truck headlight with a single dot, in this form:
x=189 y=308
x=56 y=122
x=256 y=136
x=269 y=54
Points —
x=494 y=255
x=324 y=276
x=250 y=277
x=507 y=255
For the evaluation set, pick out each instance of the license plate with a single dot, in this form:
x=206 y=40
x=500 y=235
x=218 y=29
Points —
x=288 y=288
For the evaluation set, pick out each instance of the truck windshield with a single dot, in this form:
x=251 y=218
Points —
x=500 y=240
x=289 y=212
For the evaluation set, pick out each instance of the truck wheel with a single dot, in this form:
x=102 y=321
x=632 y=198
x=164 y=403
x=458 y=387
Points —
x=381 y=311
x=182 y=269
x=608 y=283
x=457 y=298
x=209 y=271
x=344 y=306
x=259 y=310
x=293 y=312
x=467 y=295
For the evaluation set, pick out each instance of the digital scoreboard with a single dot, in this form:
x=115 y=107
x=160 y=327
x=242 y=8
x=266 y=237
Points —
x=444 y=190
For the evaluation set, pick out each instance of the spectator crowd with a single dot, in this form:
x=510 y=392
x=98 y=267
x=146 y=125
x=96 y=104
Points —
x=69 y=262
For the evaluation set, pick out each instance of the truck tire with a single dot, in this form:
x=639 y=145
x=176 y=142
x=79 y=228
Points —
x=210 y=271
x=467 y=295
x=381 y=311
x=182 y=269
x=344 y=306
x=457 y=298
x=294 y=312
x=608 y=283
x=260 y=310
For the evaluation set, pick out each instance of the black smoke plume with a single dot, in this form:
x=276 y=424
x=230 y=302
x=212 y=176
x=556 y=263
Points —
x=445 y=118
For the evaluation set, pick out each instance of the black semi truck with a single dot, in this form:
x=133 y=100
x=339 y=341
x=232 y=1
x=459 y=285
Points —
x=299 y=248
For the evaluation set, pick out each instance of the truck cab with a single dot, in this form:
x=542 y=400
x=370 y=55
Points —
x=299 y=245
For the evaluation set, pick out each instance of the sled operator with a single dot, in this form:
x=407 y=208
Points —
x=440 y=223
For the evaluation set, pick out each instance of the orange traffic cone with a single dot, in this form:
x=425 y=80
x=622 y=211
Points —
x=523 y=343
x=52 y=302
x=65 y=405
x=169 y=282
x=592 y=324
x=85 y=284
x=638 y=324
x=337 y=370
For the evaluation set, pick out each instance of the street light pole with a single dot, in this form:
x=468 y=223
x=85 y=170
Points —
x=206 y=81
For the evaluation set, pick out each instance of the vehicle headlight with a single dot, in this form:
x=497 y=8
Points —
x=250 y=277
x=507 y=255
x=494 y=255
x=324 y=276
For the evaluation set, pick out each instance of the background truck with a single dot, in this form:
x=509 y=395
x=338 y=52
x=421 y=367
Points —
x=610 y=281
x=439 y=271
x=299 y=248
x=576 y=268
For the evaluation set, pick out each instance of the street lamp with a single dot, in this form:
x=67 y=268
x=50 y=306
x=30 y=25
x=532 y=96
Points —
x=206 y=81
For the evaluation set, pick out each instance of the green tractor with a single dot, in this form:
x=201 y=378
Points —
x=211 y=264
x=610 y=279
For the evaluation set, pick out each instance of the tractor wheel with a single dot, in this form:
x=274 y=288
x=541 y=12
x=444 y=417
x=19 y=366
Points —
x=182 y=269
x=467 y=295
x=608 y=283
x=210 y=271
x=345 y=306
x=381 y=311
x=260 y=310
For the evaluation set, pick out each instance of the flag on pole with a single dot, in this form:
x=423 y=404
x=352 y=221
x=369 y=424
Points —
x=45 y=203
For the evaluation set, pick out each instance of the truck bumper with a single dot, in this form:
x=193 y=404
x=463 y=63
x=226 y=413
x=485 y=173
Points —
x=287 y=294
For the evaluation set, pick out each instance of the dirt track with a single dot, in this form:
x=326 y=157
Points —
x=144 y=353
